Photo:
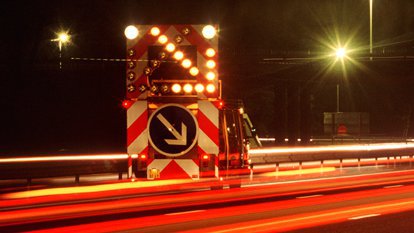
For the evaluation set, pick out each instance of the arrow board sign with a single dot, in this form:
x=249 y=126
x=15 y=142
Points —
x=173 y=130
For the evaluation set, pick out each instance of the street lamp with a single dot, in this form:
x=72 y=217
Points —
x=62 y=39
x=340 y=55
x=370 y=29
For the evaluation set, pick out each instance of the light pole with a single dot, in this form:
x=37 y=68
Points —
x=62 y=39
x=340 y=55
x=370 y=30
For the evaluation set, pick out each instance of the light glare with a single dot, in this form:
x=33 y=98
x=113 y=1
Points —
x=162 y=39
x=155 y=31
x=186 y=63
x=188 y=88
x=131 y=32
x=210 y=52
x=170 y=47
x=176 y=88
x=209 y=32
x=210 y=76
x=178 y=55
x=194 y=71
x=210 y=88
x=211 y=64
x=340 y=53
x=199 y=87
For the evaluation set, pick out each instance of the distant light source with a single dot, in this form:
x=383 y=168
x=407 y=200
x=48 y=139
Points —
x=63 y=37
x=131 y=32
x=340 y=53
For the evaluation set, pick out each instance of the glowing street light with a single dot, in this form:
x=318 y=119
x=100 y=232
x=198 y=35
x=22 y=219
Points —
x=62 y=39
x=340 y=53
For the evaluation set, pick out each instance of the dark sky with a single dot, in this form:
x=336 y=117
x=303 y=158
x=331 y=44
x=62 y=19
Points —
x=77 y=109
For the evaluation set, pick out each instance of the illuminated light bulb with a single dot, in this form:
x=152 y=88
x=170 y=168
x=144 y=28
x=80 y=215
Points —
x=178 y=55
x=131 y=32
x=63 y=37
x=210 y=76
x=211 y=64
x=176 y=88
x=126 y=104
x=186 y=63
x=170 y=47
x=210 y=52
x=210 y=88
x=188 y=88
x=162 y=39
x=340 y=53
x=155 y=31
x=209 y=32
x=194 y=71
x=199 y=87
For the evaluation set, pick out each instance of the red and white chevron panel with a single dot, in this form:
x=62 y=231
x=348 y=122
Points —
x=139 y=57
x=137 y=120
x=175 y=168
x=208 y=138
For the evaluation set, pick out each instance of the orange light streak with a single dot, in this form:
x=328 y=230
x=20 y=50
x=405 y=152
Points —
x=285 y=222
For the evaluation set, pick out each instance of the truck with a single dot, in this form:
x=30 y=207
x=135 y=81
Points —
x=178 y=125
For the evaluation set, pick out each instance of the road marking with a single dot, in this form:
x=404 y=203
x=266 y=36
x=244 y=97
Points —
x=393 y=186
x=309 y=196
x=364 y=216
x=186 y=212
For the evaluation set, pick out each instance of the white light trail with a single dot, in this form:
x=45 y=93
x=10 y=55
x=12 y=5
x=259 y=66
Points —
x=372 y=147
x=63 y=158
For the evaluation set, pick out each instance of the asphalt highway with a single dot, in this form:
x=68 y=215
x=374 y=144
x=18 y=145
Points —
x=314 y=204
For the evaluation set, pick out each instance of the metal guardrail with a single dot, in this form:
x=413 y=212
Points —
x=24 y=167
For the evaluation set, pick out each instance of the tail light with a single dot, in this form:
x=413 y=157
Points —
x=142 y=160
x=205 y=160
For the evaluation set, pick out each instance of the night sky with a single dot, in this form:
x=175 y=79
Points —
x=78 y=109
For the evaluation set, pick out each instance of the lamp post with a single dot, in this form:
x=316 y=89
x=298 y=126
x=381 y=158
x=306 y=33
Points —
x=370 y=30
x=62 y=39
x=340 y=55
